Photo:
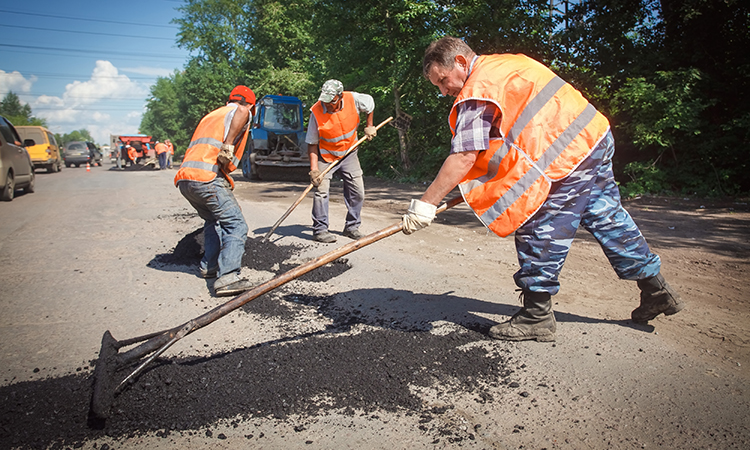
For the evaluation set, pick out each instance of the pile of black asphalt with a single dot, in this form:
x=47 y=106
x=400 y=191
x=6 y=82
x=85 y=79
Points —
x=260 y=254
x=306 y=375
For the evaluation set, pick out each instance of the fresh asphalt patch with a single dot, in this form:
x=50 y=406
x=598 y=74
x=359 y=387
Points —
x=359 y=363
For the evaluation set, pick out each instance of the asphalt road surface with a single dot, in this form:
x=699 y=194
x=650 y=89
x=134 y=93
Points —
x=385 y=349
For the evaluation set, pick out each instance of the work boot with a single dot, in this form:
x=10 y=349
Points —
x=236 y=288
x=231 y=284
x=325 y=237
x=656 y=297
x=534 y=321
x=354 y=234
x=209 y=273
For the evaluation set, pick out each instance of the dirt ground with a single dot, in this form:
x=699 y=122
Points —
x=387 y=348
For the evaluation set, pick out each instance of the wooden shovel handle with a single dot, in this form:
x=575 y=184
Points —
x=322 y=174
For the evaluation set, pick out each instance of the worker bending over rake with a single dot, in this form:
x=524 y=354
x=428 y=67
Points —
x=215 y=150
x=530 y=155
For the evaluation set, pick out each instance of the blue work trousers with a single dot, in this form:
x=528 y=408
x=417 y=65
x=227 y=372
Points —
x=589 y=196
x=224 y=230
x=162 y=160
x=354 y=194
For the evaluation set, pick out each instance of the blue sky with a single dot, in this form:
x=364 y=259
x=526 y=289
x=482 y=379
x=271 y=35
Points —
x=88 y=64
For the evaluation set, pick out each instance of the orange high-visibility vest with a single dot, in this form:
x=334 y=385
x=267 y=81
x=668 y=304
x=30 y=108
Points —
x=132 y=154
x=337 y=132
x=548 y=128
x=160 y=148
x=200 y=163
x=170 y=148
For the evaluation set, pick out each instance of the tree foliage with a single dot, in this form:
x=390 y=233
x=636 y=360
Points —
x=75 y=135
x=672 y=75
x=11 y=109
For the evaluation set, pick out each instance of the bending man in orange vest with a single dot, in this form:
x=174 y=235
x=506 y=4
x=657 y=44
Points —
x=332 y=130
x=203 y=179
x=530 y=155
x=132 y=155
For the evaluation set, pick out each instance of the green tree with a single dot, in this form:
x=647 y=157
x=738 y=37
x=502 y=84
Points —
x=376 y=47
x=164 y=118
x=18 y=114
x=672 y=75
x=76 y=135
x=225 y=35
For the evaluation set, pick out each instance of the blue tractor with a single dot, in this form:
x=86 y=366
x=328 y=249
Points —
x=277 y=150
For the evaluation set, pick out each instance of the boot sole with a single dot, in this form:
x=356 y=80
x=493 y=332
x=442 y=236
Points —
x=674 y=309
x=229 y=293
x=548 y=338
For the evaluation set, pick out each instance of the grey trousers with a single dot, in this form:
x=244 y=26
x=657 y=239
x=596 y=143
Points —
x=354 y=194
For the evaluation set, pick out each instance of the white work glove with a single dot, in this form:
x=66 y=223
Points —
x=370 y=132
x=315 y=178
x=419 y=215
x=226 y=153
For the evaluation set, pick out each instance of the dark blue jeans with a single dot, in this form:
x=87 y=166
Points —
x=162 y=160
x=224 y=230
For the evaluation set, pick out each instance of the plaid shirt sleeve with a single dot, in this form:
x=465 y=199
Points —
x=475 y=123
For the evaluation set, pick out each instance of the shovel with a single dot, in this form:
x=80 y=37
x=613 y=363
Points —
x=322 y=174
x=110 y=360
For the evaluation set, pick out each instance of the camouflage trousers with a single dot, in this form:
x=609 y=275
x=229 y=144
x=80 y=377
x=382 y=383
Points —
x=588 y=197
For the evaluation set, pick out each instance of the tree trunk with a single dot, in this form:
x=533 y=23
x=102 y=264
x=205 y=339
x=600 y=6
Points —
x=403 y=141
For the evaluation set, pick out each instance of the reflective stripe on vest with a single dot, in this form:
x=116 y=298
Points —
x=551 y=134
x=200 y=163
x=530 y=177
x=337 y=132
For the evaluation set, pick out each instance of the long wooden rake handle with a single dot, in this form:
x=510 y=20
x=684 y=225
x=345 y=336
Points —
x=322 y=174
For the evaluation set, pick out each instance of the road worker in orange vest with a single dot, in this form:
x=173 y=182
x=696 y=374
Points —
x=161 y=154
x=132 y=154
x=531 y=155
x=332 y=130
x=204 y=180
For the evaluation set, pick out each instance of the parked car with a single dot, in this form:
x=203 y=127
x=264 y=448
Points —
x=96 y=154
x=45 y=153
x=81 y=152
x=16 y=168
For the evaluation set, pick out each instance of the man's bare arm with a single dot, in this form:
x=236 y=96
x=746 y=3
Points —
x=454 y=168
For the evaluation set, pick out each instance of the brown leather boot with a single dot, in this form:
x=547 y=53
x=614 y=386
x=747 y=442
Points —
x=656 y=297
x=534 y=321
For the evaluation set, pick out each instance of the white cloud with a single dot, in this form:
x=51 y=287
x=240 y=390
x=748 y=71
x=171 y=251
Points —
x=105 y=83
x=109 y=102
x=15 y=81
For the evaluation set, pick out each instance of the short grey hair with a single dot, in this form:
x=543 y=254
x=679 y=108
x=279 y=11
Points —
x=443 y=52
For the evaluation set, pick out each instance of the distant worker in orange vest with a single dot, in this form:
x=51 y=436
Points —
x=214 y=152
x=170 y=153
x=331 y=131
x=139 y=151
x=161 y=154
x=531 y=155
x=132 y=154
